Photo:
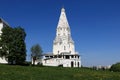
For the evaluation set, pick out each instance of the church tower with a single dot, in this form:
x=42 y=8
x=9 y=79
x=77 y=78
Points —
x=64 y=53
x=63 y=42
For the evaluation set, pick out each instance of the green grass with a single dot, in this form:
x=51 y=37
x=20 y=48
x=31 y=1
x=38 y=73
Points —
x=12 y=72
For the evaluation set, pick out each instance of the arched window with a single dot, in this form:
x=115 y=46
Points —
x=78 y=64
x=64 y=48
x=72 y=64
x=69 y=45
x=61 y=28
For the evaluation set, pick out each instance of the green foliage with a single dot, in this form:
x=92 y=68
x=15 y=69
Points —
x=9 y=72
x=115 y=67
x=13 y=44
x=4 y=41
x=36 y=52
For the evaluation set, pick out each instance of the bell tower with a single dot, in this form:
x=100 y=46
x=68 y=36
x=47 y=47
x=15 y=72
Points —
x=63 y=42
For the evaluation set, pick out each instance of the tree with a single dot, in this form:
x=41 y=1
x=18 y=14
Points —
x=13 y=44
x=4 y=41
x=115 y=67
x=36 y=52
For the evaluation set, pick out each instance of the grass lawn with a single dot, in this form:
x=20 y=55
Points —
x=12 y=72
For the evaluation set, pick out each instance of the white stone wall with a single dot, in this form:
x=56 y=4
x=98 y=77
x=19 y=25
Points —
x=1 y=26
x=60 y=61
x=3 y=60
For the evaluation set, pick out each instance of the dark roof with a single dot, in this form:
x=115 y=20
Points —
x=51 y=54
x=67 y=53
x=48 y=54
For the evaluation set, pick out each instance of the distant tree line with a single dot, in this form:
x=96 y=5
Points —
x=12 y=43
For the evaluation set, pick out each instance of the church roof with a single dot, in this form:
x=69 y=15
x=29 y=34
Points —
x=67 y=53
x=63 y=53
x=4 y=22
x=63 y=22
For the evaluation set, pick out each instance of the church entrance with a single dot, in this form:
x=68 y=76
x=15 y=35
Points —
x=78 y=64
x=72 y=64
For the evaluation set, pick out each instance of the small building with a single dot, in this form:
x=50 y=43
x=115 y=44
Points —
x=64 y=53
x=3 y=23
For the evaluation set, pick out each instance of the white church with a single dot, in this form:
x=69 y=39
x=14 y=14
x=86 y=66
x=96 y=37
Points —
x=64 y=53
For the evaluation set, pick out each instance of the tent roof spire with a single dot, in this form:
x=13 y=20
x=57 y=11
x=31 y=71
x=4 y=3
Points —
x=63 y=22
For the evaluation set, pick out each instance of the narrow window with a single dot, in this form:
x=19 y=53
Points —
x=78 y=57
x=64 y=48
x=72 y=56
x=67 y=57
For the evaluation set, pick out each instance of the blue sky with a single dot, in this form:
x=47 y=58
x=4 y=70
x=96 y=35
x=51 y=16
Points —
x=95 y=25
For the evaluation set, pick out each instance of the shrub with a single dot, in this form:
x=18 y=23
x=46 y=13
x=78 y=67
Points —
x=115 y=67
x=61 y=65
x=26 y=63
